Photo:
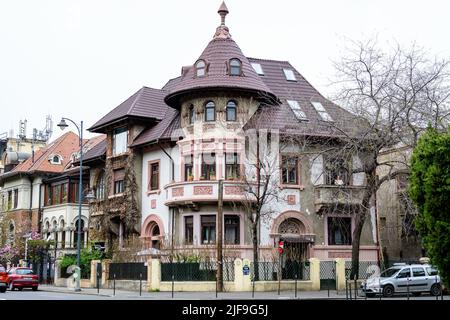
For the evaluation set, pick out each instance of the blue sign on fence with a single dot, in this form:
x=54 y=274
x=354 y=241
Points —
x=246 y=270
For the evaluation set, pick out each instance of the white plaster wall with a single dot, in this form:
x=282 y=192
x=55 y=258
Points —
x=164 y=178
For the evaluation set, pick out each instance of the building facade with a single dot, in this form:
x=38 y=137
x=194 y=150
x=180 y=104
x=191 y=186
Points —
x=167 y=149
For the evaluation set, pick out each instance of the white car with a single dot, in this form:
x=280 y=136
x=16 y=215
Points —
x=402 y=278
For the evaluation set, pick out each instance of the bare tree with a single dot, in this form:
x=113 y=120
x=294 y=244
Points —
x=396 y=95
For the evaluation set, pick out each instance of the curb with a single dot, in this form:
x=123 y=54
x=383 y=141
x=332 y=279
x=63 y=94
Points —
x=73 y=292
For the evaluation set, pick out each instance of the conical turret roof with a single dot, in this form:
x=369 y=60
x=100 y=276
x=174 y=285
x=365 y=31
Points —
x=217 y=56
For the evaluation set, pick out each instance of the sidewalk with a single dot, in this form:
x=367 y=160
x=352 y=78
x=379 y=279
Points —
x=122 y=294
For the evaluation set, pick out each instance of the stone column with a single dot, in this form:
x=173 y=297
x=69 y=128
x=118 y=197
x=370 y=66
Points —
x=67 y=240
x=315 y=273
x=340 y=273
x=149 y=274
x=105 y=271
x=94 y=273
x=155 y=274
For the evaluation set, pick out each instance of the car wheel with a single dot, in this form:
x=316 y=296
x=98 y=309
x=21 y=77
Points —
x=436 y=289
x=388 y=291
x=3 y=289
x=35 y=288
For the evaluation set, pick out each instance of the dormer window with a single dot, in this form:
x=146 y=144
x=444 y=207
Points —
x=235 y=67
x=257 y=67
x=200 y=68
x=289 y=74
x=295 y=107
x=321 y=111
x=55 y=159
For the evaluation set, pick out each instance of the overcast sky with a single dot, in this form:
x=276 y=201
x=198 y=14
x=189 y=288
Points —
x=80 y=59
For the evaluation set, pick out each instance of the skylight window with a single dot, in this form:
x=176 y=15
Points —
x=322 y=112
x=258 y=68
x=295 y=107
x=289 y=74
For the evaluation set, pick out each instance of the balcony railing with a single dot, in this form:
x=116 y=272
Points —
x=332 y=195
x=205 y=191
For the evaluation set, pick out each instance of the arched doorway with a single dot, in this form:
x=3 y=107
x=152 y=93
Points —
x=295 y=230
x=153 y=231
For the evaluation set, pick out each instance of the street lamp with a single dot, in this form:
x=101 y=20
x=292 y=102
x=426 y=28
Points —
x=62 y=124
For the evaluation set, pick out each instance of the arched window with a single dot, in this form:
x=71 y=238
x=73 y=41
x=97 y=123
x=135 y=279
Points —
x=75 y=233
x=55 y=232
x=210 y=111
x=191 y=114
x=231 y=111
x=200 y=68
x=154 y=233
x=235 y=67
x=100 y=187
x=55 y=159
x=47 y=227
x=63 y=233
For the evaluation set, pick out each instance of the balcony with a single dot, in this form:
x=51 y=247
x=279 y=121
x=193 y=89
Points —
x=204 y=191
x=332 y=196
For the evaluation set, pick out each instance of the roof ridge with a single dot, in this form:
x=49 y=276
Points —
x=269 y=60
x=135 y=100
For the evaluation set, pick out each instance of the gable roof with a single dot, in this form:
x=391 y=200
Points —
x=96 y=150
x=146 y=103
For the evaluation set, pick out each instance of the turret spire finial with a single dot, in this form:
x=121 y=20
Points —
x=223 y=11
x=222 y=31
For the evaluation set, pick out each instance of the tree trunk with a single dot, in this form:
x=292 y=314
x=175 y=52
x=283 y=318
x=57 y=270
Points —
x=359 y=223
x=255 y=249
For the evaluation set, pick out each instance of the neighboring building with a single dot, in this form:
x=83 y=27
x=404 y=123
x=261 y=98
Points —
x=16 y=150
x=167 y=148
x=399 y=239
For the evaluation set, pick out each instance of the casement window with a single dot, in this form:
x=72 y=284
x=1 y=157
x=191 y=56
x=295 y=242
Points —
x=258 y=69
x=56 y=190
x=119 y=181
x=16 y=198
x=235 y=67
x=208 y=166
x=208 y=227
x=191 y=114
x=232 y=229
x=231 y=110
x=298 y=112
x=120 y=141
x=339 y=230
x=232 y=168
x=64 y=192
x=188 y=168
x=100 y=187
x=200 y=68
x=321 y=111
x=290 y=170
x=153 y=169
x=189 y=230
x=337 y=171
x=289 y=74
x=210 y=111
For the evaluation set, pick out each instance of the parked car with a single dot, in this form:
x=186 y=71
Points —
x=3 y=279
x=22 y=278
x=402 y=278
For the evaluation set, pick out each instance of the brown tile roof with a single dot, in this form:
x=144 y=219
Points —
x=146 y=103
x=95 y=150
x=216 y=55
x=64 y=146
x=282 y=117
x=164 y=130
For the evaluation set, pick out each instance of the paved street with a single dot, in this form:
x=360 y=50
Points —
x=58 y=293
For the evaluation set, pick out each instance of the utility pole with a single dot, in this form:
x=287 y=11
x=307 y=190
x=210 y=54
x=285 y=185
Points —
x=220 y=238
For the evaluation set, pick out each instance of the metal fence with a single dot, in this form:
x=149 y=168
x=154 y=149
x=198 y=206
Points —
x=366 y=269
x=269 y=270
x=327 y=275
x=195 y=271
x=128 y=271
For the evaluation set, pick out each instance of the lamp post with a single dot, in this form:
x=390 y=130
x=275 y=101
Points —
x=62 y=124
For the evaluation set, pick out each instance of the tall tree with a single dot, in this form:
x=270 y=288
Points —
x=430 y=190
x=396 y=93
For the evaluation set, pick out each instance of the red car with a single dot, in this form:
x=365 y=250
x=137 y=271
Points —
x=22 y=278
x=3 y=280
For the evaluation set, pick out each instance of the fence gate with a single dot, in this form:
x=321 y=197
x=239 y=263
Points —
x=327 y=275
x=295 y=253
